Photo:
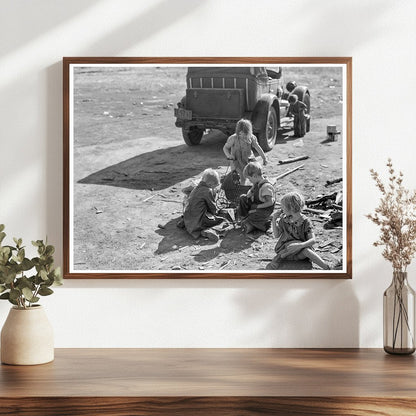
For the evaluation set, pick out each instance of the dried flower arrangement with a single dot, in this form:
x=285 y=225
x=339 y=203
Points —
x=396 y=216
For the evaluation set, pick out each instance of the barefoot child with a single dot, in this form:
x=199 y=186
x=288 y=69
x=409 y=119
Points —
x=297 y=109
x=257 y=205
x=200 y=210
x=239 y=148
x=294 y=233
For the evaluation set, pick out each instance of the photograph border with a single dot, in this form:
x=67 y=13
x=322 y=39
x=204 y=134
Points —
x=68 y=61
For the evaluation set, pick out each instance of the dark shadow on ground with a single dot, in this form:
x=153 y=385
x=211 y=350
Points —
x=234 y=242
x=159 y=169
x=175 y=239
x=328 y=140
x=283 y=135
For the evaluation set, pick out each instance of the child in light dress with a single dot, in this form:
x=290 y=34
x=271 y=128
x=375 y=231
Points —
x=239 y=148
x=294 y=233
x=256 y=207
x=200 y=213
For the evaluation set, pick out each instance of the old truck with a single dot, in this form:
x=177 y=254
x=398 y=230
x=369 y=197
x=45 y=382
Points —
x=217 y=97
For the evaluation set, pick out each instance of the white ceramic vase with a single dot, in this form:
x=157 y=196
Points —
x=27 y=337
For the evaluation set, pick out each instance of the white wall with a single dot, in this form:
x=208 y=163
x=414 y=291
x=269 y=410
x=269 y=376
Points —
x=34 y=36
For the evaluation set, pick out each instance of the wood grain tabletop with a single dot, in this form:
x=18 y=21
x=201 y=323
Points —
x=229 y=380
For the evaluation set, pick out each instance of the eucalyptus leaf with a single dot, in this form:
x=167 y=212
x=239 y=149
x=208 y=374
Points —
x=21 y=255
x=2 y=236
x=38 y=280
x=26 y=264
x=3 y=259
x=24 y=282
x=9 y=277
x=18 y=242
x=45 y=291
x=48 y=260
x=56 y=275
x=2 y=227
x=5 y=250
x=5 y=295
x=27 y=293
x=2 y=288
x=50 y=250
x=43 y=274
x=15 y=294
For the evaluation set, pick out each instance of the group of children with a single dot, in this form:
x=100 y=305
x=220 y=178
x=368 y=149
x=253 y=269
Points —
x=292 y=229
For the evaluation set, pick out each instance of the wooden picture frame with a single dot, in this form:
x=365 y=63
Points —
x=126 y=163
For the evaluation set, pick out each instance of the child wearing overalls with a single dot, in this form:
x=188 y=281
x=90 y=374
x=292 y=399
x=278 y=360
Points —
x=256 y=207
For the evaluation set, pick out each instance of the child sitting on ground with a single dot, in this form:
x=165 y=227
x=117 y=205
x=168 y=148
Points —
x=200 y=210
x=294 y=233
x=256 y=207
x=239 y=148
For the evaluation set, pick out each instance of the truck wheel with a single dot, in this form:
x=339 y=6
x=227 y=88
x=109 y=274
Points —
x=192 y=136
x=267 y=137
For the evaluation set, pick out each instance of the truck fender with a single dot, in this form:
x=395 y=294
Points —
x=261 y=109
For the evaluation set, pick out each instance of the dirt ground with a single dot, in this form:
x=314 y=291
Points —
x=130 y=164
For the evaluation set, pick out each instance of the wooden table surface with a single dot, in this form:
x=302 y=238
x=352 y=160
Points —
x=212 y=382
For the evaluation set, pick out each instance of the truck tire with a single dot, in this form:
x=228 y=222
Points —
x=192 y=136
x=267 y=137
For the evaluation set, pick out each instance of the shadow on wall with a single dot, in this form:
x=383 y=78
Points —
x=301 y=314
x=340 y=20
x=37 y=17
x=162 y=15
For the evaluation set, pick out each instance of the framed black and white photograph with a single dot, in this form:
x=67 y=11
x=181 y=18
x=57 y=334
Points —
x=207 y=167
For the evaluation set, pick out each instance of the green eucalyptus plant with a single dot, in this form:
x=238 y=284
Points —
x=16 y=285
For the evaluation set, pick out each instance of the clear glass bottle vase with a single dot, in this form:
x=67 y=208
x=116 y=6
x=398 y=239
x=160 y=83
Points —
x=399 y=316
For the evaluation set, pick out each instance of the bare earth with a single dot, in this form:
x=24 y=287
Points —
x=130 y=164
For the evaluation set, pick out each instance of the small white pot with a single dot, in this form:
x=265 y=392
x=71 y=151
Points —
x=27 y=337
